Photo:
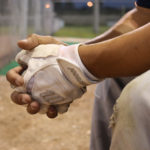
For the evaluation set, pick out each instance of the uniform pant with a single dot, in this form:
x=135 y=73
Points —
x=129 y=126
x=105 y=97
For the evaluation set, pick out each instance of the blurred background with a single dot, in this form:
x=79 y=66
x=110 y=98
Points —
x=70 y=21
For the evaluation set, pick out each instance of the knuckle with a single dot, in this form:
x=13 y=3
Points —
x=35 y=39
x=32 y=110
x=16 y=98
x=32 y=35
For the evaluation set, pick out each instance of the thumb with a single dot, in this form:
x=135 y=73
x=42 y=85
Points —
x=29 y=43
x=35 y=40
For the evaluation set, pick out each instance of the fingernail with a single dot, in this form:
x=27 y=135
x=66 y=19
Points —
x=25 y=101
x=33 y=107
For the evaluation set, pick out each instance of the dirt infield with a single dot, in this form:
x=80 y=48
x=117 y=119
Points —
x=21 y=131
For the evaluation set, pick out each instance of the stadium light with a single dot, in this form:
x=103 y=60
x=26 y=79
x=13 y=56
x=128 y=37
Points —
x=90 y=4
x=47 y=5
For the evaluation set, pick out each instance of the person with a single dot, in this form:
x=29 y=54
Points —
x=109 y=90
x=126 y=44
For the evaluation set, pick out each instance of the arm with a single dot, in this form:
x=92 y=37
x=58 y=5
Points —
x=126 y=55
x=132 y=20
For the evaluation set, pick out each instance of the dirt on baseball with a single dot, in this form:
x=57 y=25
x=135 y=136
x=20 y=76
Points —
x=22 y=131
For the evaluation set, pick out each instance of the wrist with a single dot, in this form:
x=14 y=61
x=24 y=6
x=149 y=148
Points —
x=71 y=54
x=84 y=66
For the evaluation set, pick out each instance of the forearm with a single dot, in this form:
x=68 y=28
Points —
x=105 y=36
x=132 y=20
x=127 y=55
x=121 y=27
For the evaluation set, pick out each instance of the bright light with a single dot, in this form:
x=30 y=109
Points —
x=47 y=5
x=90 y=4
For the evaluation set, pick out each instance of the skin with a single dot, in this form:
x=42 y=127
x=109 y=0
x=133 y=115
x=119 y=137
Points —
x=133 y=19
x=126 y=55
x=13 y=76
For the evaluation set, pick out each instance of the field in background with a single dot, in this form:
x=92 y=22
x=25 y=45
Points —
x=79 y=31
x=68 y=31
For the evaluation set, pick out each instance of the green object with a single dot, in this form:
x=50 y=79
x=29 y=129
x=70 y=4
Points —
x=6 y=68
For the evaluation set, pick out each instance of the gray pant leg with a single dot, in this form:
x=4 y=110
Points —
x=105 y=97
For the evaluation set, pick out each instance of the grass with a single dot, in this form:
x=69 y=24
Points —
x=68 y=31
x=79 y=31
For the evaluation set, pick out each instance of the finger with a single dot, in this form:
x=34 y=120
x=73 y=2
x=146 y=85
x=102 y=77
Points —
x=52 y=112
x=20 y=98
x=48 y=40
x=14 y=77
x=33 y=107
x=34 y=40
x=29 y=43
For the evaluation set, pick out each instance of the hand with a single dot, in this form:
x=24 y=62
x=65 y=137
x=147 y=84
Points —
x=44 y=80
x=14 y=77
x=53 y=75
